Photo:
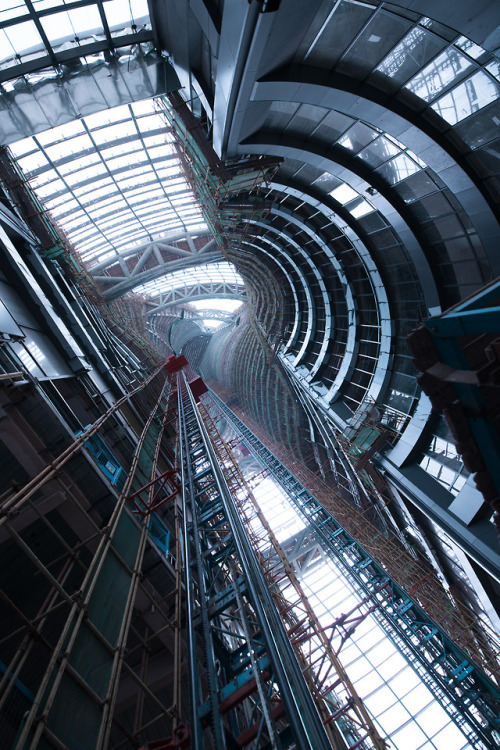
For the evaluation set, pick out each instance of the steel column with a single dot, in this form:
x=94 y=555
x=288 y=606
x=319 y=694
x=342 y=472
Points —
x=469 y=696
x=222 y=551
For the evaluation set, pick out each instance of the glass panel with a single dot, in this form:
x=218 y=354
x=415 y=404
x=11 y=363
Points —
x=332 y=126
x=145 y=107
x=443 y=462
x=470 y=96
x=146 y=195
x=121 y=149
x=58 y=135
x=107 y=117
x=23 y=147
x=155 y=140
x=161 y=152
x=439 y=74
x=398 y=169
x=74 y=24
x=121 y=13
x=471 y=49
x=383 y=31
x=97 y=213
x=334 y=37
x=12 y=9
x=76 y=164
x=57 y=27
x=85 y=174
x=357 y=137
x=411 y=737
x=84 y=20
x=131 y=182
x=280 y=114
x=379 y=151
x=494 y=68
x=111 y=133
x=44 y=177
x=69 y=146
x=64 y=207
x=410 y=55
x=17 y=39
x=152 y=122
x=94 y=190
x=361 y=209
x=344 y=194
x=416 y=158
x=127 y=160
x=416 y=187
x=33 y=161
x=46 y=4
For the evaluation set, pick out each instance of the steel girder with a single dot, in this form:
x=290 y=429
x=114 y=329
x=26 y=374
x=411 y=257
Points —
x=468 y=695
x=226 y=317
x=141 y=265
x=245 y=648
x=191 y=292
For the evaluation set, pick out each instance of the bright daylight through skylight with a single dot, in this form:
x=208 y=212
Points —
x=403 y=707
x=111 y=180
x=221 y=273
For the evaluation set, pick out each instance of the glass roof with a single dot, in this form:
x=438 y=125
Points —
x=446 y=73
x=111 y=180
x=204 y=306
x=33 y=30
x=212 y=273
x=225 y=305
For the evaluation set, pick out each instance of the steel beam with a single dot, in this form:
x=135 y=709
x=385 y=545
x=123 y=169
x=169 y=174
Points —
x=466 y=692
x=217 y=544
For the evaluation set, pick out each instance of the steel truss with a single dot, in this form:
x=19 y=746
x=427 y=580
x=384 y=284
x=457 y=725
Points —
x=343 y=713
x=245 y=682
x=89 y=623
x=470 y=698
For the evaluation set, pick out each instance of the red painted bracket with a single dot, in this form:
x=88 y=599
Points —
x=174 y=364
x=179 y=741
x=148 y=508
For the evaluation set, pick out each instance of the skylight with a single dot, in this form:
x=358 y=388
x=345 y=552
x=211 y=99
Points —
x=209 y=276
x=344 y=194
x=126 y=154
x=468 y=97
x=205 y=307
x=226 y=305
x=362 y=209
x=47 y=27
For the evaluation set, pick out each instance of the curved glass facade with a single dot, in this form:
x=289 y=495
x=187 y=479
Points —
x=352 y=151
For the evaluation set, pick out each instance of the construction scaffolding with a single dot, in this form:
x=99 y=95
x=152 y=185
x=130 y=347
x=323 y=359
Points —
x=124 y=316
x=221 y=188
x=82 y=633
x=342 y=711
x=444 y=643
x=246 y=685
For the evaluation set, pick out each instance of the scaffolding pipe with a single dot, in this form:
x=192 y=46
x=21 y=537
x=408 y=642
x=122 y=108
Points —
x=12 y=506
x=109 y=701
x=301 y=711
x=227 y=461
x=217 y=725
x=76 y=615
